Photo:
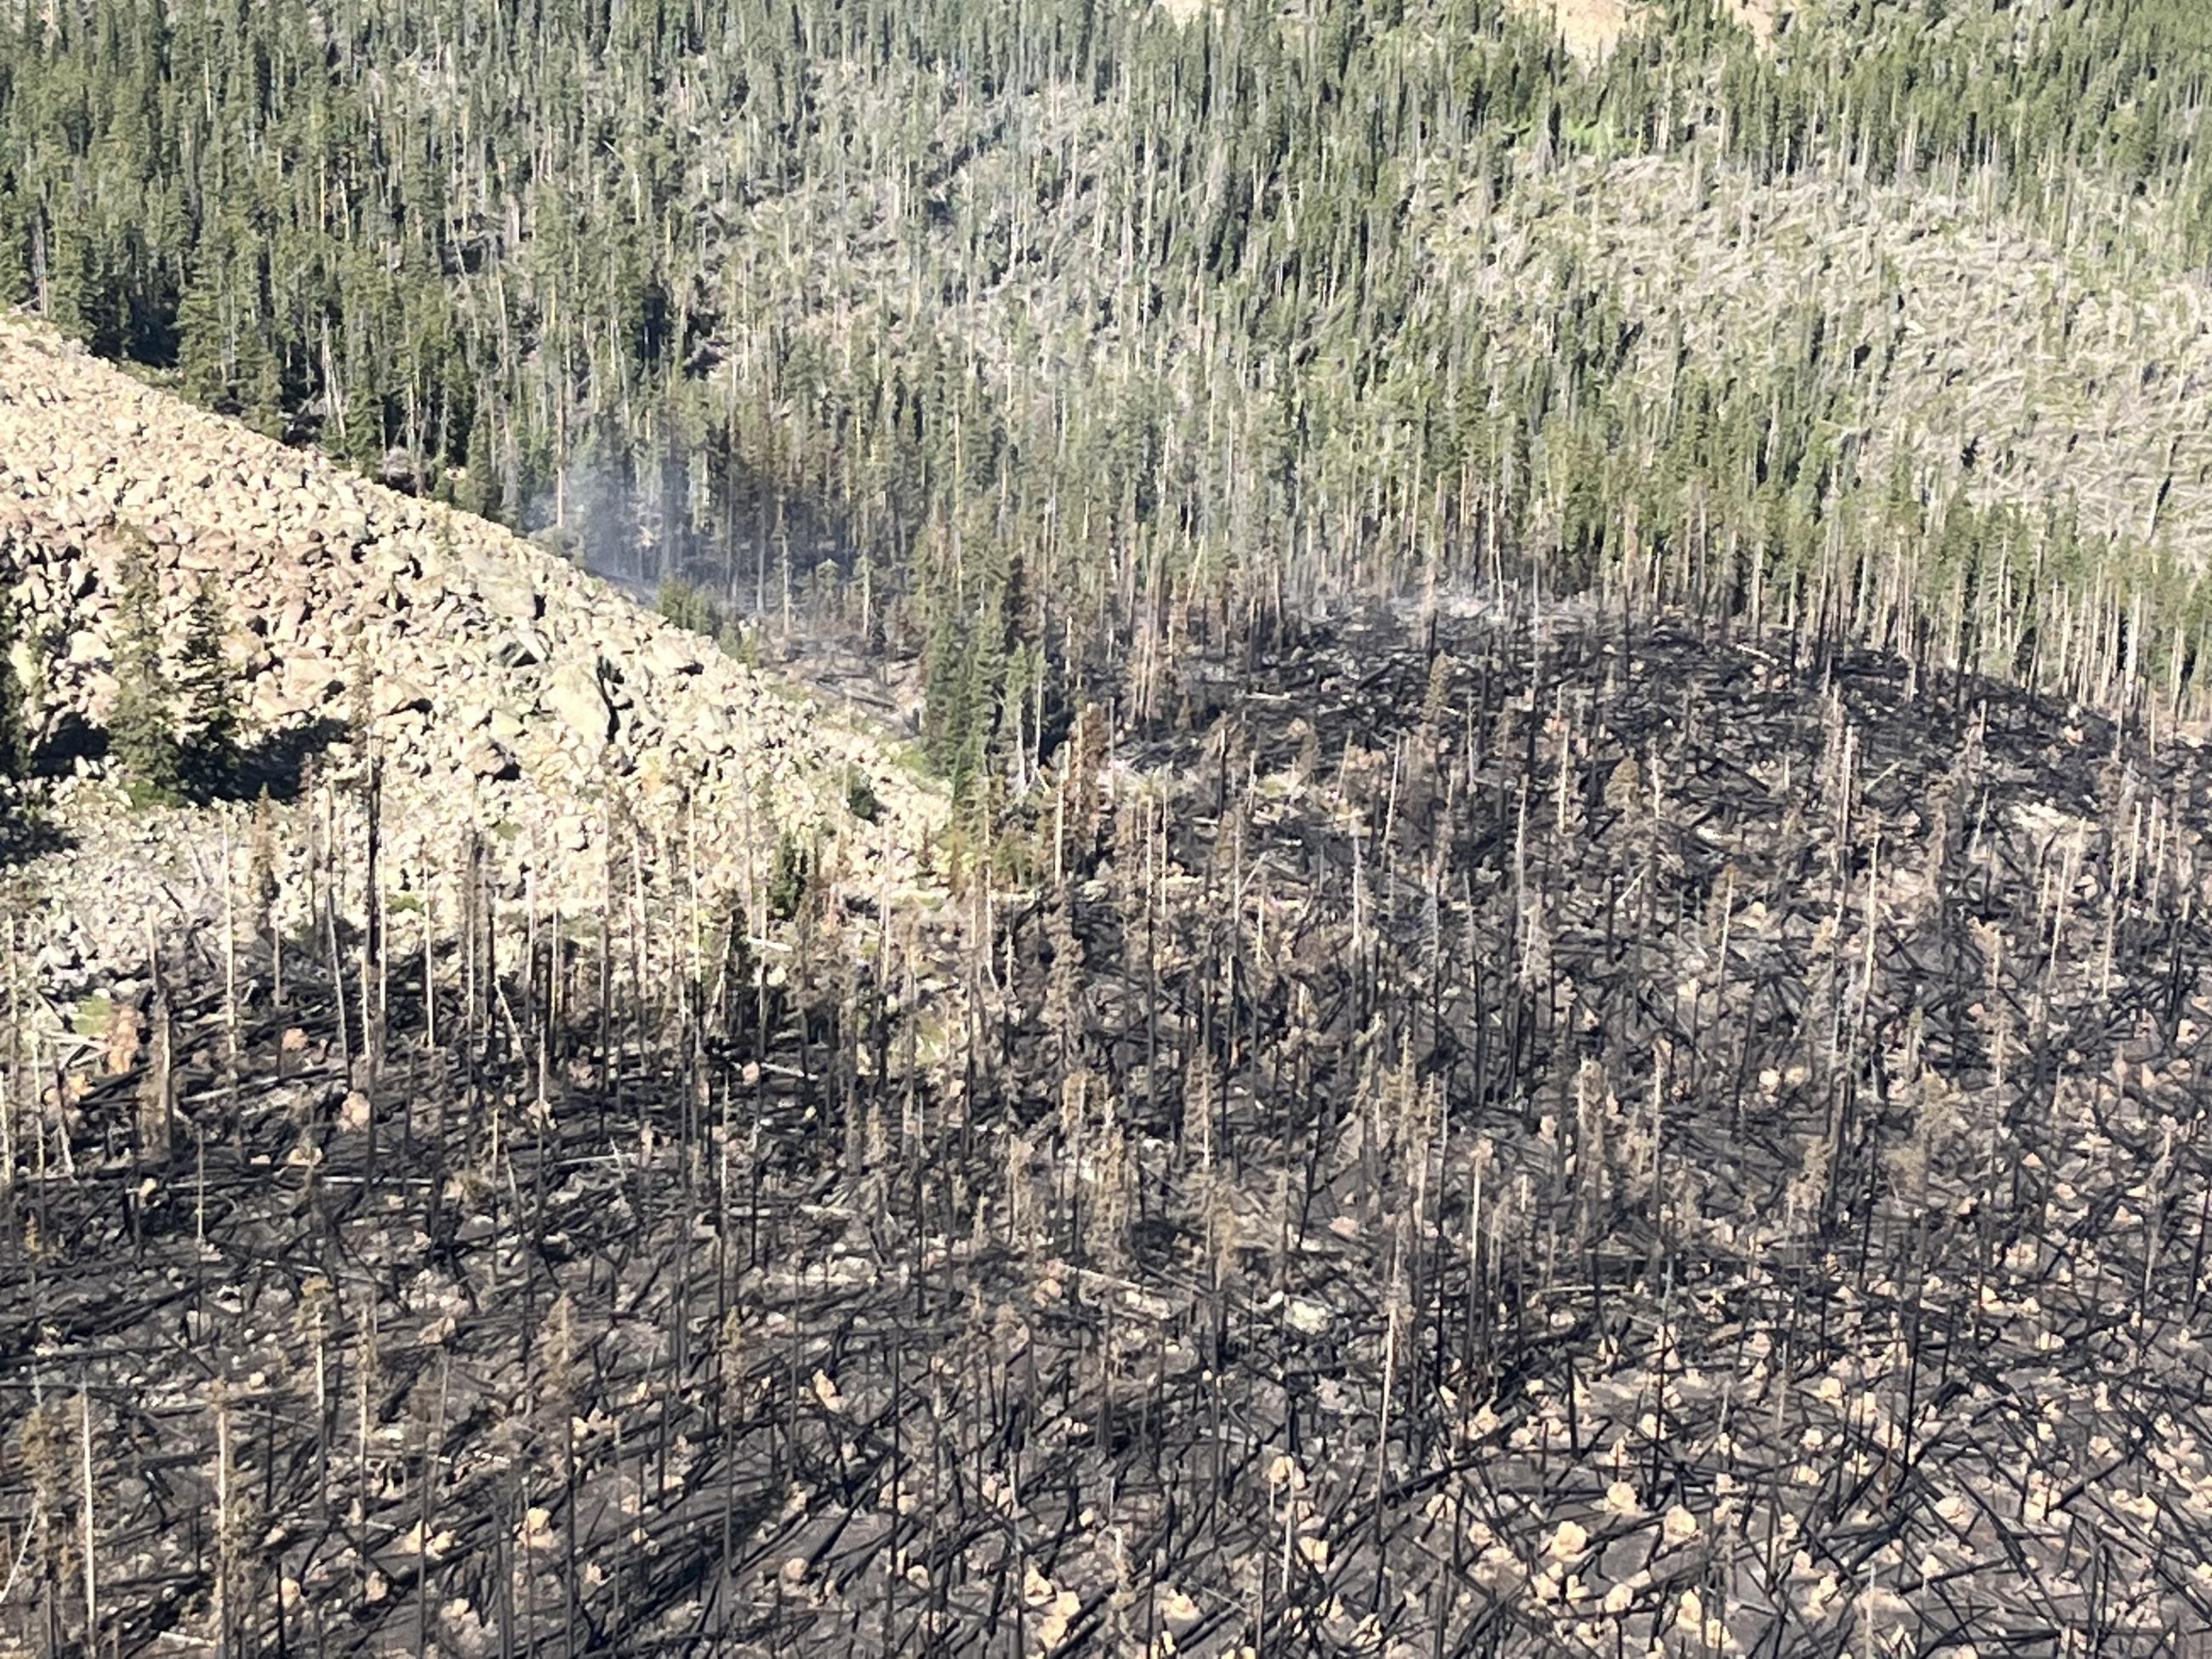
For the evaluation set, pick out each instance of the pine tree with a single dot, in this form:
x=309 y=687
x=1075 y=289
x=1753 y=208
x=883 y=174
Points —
x=14 y=239
x=790 y=877
x=261 y=384
x=362 y=440
x=65 y=271
x=202 y=354
x=15 y=743
x=142 y=731
x=210 y=702
x=479 y=491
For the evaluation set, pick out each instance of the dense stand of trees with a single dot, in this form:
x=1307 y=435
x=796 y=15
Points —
x=1049 y=335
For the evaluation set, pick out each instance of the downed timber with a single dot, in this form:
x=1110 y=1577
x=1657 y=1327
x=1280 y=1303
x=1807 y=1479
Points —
x=1653 y=1156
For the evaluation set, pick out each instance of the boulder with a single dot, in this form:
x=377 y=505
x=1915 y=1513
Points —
x=398 y=472
x=311 y=681
x=708 y=729
x=575 y=694
x=669 y=652
x=504 y=588
x=522 y=648
x=272 y=705
x=401 y=696
x=490 y=762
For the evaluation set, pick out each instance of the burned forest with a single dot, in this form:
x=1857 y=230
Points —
x=1496 y=1134
x=999 y=830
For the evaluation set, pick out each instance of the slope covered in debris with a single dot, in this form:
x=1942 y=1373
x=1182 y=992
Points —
x=500 y=692
x=1573 y=1138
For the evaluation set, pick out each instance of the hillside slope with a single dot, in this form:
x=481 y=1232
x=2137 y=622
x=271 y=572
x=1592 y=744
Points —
x=1925 y=331
x=1572 y=1140
x=1147 y=302
x=507 y=695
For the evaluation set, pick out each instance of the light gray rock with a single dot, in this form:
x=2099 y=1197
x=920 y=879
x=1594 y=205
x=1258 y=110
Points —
x=506 y=590
x=575 y=694
x=709 y=730
x=509 y=689
x=671 y=651
x=523 y=648
x=490 y=762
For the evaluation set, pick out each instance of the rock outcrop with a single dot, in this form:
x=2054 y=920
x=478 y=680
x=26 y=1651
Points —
x=507 y=691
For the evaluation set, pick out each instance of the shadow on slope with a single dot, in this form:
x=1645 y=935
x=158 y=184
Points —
x=25 y=833
x=275 y=763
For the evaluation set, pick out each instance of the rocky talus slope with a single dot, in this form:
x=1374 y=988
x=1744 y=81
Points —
x=512 y=697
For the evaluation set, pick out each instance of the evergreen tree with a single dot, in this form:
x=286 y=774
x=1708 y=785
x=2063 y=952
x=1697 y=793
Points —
x=790 y=877
x=66 y=287
x=508 y=244
x=210 y=703
x=142 y=730
x=15 y=236
x=14 y=741
x=478 y=491
x=203 y=349
x=261 y=386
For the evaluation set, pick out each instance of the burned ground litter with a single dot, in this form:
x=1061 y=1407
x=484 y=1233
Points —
x=1461 y=1137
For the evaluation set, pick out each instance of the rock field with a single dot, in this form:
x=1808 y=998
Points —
x=508 y=693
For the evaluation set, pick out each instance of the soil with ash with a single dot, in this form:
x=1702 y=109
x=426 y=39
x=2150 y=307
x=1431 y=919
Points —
x=1589 y=1140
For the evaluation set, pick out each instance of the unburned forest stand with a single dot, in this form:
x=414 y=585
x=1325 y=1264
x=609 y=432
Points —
x=1071 y=325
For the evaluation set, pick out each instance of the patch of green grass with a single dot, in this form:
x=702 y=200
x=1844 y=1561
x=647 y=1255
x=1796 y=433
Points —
x=911 y=758
x=94 y=1017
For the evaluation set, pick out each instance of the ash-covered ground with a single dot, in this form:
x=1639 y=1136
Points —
x=1591 y=1140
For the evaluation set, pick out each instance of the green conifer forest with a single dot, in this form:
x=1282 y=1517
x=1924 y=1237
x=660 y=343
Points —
x=1047 y=335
